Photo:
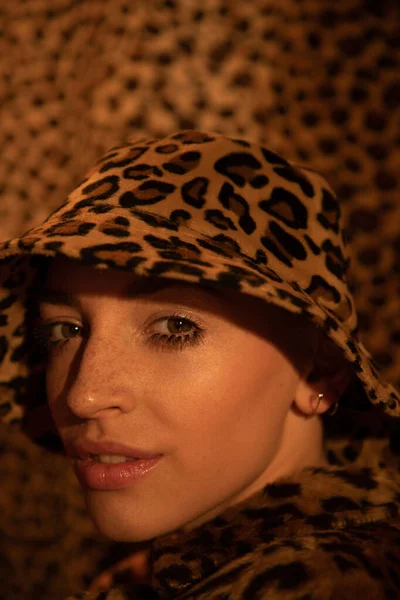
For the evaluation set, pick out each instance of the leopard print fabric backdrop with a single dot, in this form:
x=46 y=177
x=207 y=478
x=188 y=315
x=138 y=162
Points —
x=315 y=80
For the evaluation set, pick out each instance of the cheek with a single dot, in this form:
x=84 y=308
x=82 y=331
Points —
x=230 y=400
x=56 y=385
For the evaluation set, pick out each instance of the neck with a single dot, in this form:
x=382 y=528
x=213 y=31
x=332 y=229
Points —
x=301 y=446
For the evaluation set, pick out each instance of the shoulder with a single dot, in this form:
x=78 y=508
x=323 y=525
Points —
x=357 y=562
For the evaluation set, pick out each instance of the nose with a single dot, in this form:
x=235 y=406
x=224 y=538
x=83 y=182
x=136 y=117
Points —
x=99 y=385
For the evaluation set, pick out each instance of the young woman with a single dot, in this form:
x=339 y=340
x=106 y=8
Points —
x=187 y=318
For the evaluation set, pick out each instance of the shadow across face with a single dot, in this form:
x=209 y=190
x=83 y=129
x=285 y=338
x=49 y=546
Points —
x=297 y=338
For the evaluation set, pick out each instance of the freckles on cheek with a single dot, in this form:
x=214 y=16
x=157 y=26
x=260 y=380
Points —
x=56 y=382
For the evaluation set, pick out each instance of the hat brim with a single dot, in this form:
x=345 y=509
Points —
x=170 y=256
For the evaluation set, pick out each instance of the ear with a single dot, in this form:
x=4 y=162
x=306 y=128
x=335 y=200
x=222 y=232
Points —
x=329 y=374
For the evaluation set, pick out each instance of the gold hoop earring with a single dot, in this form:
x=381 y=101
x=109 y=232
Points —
x=332 y=410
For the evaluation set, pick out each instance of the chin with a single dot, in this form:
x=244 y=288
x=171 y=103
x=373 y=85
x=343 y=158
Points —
x=118 y=530
x=121 y=519
x=117 y=533
x=119 y=527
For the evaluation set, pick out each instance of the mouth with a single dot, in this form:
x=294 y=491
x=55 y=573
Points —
x=97 y=475
x=112 y=459
x=107 y=451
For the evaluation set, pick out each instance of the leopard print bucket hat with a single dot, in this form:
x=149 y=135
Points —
x=204 y=208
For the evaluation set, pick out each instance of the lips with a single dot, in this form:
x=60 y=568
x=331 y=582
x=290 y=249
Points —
x=109 y=475
x=93 y=475
x=86 y=448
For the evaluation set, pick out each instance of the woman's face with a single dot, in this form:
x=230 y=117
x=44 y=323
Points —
x=215 y=401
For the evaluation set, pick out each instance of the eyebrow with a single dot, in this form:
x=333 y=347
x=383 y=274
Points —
x=146 y=286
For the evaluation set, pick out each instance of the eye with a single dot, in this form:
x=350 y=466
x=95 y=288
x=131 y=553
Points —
x=64 y=330
x=176 y=332
x=176 y=325
x=57 y=334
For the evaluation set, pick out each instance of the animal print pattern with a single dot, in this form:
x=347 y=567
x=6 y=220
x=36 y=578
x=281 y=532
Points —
x=135 y=192
x=285 y=244
x=317 y=80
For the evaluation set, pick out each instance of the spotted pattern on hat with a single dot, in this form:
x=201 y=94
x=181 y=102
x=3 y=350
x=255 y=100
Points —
x=199 y=207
